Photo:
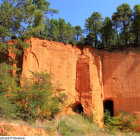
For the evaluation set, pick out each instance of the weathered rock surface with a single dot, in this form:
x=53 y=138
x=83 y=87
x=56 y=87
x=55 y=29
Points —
x=76 y=71
x=88 y=76
x=121 y=80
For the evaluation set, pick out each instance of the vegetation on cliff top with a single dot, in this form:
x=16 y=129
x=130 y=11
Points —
x=25 y=18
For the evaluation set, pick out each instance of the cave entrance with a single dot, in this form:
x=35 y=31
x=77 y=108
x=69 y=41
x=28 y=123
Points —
x=78 y=108
x=108 y=105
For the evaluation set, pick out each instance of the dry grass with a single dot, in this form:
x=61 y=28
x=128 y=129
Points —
x=77 y=125
x=73 y=125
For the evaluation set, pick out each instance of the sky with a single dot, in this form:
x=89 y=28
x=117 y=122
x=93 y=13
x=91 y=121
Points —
x=76 y=11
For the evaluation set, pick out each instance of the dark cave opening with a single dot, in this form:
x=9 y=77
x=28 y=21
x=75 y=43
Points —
x=78 y=108
x=108 y=105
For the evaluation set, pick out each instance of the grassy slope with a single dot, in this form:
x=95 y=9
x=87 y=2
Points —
x=73 y=125
x=77 y=125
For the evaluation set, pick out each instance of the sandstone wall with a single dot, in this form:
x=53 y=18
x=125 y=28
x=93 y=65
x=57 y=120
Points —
x=89 y=83
x=121 y=81
x=88 y=76
x=51 y=57
x=78 y=72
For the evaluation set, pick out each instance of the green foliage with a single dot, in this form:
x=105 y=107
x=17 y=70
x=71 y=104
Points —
x=107 y=32
x=115 y=21
x=123 y=121
x=7 y=82
x=23 y=19
x=51 y=128
x=59 y=30
x=122 y=29
x=89 y=118
x=8 y=87
x=44 y=5
x=93 y=25
x=34 y=100
x=127 y=22
x=14 y=15
x=136 y=23
x=89 y=39
x=124 y=16
x=77 y=126
x=78 y=32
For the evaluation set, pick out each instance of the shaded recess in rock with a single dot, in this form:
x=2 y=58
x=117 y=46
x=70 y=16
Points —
x=78 y=108
x=108 y=105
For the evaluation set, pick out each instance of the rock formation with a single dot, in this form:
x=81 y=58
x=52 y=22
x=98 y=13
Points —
x=92 y=78
x=76 y=71
x=121 y=82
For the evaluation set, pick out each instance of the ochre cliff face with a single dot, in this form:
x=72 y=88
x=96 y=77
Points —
x=76 y=71
x=55 y=58
x=121 y=81
x=89 y=77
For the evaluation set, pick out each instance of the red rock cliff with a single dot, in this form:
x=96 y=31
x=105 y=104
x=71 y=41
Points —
x=121 y=81
x=89 y=77
x=76 y=71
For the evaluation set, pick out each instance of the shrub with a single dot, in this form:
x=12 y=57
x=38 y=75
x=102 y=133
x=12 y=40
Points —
x=8 y=87
x=35 y=100
x=123 y=122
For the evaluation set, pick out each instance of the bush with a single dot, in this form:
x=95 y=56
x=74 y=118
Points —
x=8 y=87
x=123 y=122
x=35 y=100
